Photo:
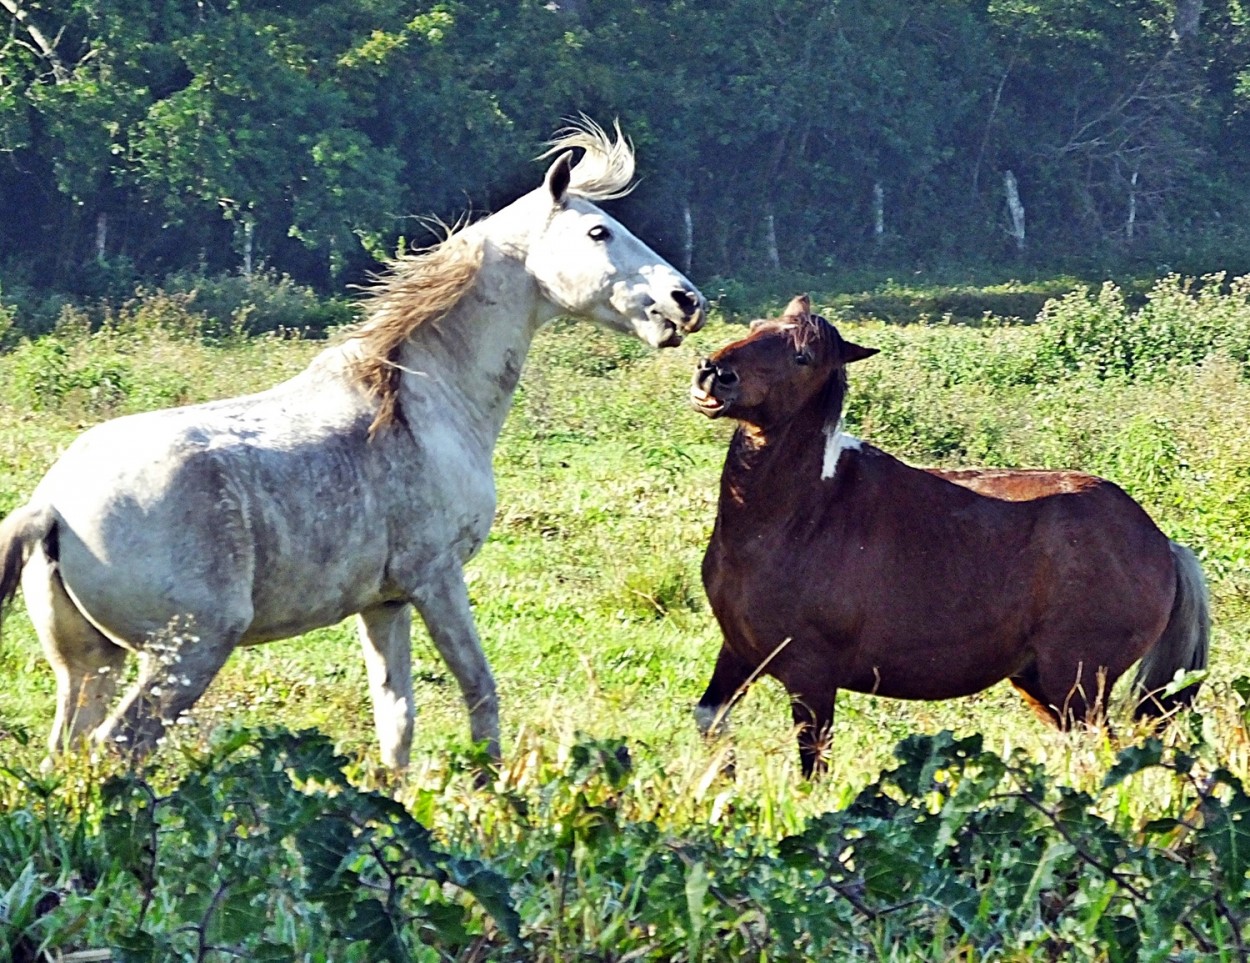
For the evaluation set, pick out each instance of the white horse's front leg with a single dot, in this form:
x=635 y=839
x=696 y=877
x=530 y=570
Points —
x=386 y=637
x=444 y=606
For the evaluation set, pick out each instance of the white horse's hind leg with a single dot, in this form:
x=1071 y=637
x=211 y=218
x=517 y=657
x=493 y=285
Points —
x=444 y=607
x=386 y=637
x=85 y=662
x=176 y=667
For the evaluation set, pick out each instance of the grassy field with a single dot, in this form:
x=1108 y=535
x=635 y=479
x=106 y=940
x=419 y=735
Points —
x=589 y=602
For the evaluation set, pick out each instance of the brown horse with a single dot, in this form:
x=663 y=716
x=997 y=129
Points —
x=833 y=565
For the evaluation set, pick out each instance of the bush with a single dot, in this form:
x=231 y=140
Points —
x=266 y=301
x=265 y=850
x=1182 y=322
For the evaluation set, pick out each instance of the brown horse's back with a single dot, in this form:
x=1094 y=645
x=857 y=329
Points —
x=902 y=584
x=1019 y=484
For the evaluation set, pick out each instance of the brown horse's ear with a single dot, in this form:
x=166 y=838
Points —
x=799 y=307
x=558 y=176
x=854 y=352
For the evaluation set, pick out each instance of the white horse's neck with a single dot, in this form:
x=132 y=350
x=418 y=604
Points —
x=479 y=348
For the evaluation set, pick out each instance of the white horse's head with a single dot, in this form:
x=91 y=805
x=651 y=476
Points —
x=588 y=265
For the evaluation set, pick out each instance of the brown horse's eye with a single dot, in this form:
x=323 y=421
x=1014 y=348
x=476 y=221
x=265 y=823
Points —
x=803 y=357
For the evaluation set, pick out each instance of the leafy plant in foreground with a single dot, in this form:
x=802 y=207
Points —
x=265 y=850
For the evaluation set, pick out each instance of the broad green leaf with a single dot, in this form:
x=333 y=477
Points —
x=1226 y=831
x=371 y=922
x=242 y=915
x=696 y=893
x=491 y=890
x=1121 y=937
x=1133 y=759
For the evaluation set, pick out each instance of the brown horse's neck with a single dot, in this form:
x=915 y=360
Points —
x=766 y=467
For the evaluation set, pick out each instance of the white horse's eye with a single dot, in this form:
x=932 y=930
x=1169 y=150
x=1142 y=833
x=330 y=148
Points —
x=599 y=233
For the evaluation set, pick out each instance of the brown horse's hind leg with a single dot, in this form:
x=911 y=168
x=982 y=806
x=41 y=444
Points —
x=1066 y=695
x=813 y=715
x=1026 y=683
x=85 y=662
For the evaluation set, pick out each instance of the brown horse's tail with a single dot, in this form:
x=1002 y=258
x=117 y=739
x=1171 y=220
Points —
x=1183 y=644
x=20 y=531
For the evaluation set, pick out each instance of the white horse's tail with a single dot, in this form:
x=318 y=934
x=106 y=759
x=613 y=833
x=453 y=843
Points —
x=20 y=531
x=1183 y=644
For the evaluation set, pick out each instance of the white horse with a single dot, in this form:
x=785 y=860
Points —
x=361 y=486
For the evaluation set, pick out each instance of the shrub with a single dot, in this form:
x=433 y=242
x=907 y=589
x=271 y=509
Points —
x=265 y=301
x=262 y=851
x=1182 y=322
x=39 y=372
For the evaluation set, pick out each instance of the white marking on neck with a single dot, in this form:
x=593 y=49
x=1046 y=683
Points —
x=836 y=442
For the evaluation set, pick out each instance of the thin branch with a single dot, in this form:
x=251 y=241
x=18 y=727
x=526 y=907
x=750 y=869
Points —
x=202 y=929
x=1235 y=923
x=1109 y=871
x=989 y=122
x=43 y=47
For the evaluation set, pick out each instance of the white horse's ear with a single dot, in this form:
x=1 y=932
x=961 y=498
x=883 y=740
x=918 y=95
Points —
x=799 y=307
x=558 y=176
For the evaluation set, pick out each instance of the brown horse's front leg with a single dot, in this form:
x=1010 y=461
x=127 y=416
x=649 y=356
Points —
x=729 y=681
x=813 y=716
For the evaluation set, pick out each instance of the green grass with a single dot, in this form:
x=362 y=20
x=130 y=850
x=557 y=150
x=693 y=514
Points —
x=588 y=595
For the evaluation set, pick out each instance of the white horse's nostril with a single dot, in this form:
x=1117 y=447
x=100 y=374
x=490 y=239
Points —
x=687 y=301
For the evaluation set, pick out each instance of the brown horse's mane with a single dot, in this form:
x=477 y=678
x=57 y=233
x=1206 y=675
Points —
x=421 y=288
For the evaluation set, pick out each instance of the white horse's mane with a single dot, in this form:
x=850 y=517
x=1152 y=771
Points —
x=422 y=287
x=606 y=170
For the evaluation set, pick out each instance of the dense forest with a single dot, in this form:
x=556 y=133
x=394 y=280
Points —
x=143 y=138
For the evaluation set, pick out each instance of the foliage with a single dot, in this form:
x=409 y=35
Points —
x=262 y=850
x=1182 y=323
x=265 y=849
x=150 y=139
x=263 y=302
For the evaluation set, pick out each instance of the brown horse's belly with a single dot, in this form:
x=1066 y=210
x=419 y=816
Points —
x=923 y=672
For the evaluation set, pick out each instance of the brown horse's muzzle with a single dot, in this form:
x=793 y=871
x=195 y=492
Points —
x=714 y=388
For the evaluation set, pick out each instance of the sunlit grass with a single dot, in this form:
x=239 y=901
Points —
x=588 y=594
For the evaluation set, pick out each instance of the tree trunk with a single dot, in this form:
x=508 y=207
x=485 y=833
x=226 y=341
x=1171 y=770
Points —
x=770 y=239
x=1015 y=209
x=687 y=236
x=101 y=236
x=1131 y=221
x=249 y=236
x=878 y=213
x=1186 y=20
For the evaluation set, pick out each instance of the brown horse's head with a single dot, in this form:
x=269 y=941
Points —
x=778 y=369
